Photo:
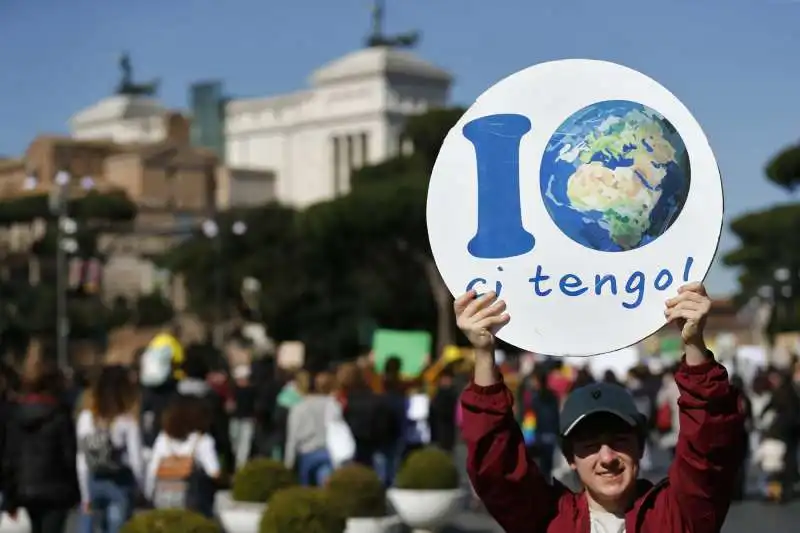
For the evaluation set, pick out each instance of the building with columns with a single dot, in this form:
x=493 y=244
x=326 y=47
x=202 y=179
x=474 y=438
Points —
x=308 y=141
x=352 y=115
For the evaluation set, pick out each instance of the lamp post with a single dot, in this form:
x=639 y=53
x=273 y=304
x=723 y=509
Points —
x=211 y=230
x=66 y=243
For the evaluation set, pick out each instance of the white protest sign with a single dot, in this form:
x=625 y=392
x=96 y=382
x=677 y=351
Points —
x=583 y=192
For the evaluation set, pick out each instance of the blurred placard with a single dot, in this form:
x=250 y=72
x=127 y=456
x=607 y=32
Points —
x=412 y=347
x=291 y=355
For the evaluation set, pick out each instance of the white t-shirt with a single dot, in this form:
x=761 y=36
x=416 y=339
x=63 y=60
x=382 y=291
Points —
x=125 y=436
x=602 y=522
x=205 y=455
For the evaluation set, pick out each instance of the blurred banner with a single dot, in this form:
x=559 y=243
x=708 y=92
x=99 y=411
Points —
x=412 y=347
x=291 y=355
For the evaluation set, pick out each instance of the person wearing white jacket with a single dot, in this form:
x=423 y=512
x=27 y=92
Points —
x=110 y=464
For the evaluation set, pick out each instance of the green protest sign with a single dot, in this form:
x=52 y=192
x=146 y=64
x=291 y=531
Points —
x=412 y=347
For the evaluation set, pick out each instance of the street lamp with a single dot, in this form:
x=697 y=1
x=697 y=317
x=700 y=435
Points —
x=211 y=230
x=66 y=243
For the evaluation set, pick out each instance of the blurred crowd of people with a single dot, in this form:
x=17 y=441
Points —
x=172 y=428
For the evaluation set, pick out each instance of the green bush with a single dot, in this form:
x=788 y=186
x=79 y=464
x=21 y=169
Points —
x=170 y=521
x=302 y=510
x=428 y=469
x=259 y=479
x=357 y=492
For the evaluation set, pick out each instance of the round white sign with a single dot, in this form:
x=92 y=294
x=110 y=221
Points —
x=585 y=194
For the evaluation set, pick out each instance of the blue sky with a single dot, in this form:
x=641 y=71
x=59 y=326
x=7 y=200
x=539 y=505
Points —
x=732 y=62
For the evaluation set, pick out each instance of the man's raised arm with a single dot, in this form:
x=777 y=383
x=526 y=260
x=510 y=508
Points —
x=710 y=447
x=507 y=481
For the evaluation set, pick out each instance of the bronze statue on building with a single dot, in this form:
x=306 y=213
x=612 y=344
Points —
x=129 y=87
x=378 y=38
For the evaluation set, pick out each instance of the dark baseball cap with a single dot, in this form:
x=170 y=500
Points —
x=598 y=398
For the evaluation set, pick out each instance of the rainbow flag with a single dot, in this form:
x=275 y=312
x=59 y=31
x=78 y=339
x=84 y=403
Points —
x=528 y=427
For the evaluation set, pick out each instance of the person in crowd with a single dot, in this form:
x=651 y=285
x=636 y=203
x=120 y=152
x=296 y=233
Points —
x=306 y=432
x=287 y=396
x=583 y=377
x=560 y=378
x=268 y=385
x=160 y=370
x=601 y=435
x=194 y=385
x=416 y=421
x=74 y=387
x=39 y=471
x=243 y=415
x=537 y=415
x=610 y=377
x=371 y=419
x=781 y=435
x=184 y=470
x=109 y=462
x=9 y=385
x=366 y=365
x=668 y=419
x=443 y=411
x=398 y=399
x=220 y=382
x=740 y=486
x=645 y=404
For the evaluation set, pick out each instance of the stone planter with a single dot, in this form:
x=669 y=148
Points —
x=425 y=510
x=21 y=525
x=387 y=524
x=237 y=517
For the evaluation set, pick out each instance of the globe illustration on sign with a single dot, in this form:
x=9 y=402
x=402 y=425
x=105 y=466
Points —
x=615 y=176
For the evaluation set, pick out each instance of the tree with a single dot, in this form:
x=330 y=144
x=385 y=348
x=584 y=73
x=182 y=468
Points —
x=784 y=168
x=378 y=234
x=32 y=309
x=770 y=241
x=268 y=251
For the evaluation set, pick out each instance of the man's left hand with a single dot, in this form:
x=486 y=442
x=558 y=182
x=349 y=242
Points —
x=689 y=311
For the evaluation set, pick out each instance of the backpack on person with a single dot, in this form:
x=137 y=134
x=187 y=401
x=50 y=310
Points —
x=102 y=457
x=173 y=483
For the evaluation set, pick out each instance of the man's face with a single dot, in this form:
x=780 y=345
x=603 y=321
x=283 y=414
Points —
x=606 y=453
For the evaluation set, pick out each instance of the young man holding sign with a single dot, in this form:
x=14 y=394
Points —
x=602 y=438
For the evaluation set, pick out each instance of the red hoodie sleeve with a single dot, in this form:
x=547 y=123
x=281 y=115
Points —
x=506 y=480
x=710 y=447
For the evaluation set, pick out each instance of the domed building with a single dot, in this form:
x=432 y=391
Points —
x=308 y=141
x=121 y=118
x=352 y=115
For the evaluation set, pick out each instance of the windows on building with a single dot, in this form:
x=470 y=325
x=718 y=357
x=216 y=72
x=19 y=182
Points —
x=349 y=152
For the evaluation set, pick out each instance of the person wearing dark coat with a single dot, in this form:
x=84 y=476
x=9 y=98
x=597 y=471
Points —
x=194 y=385
x=39 y=456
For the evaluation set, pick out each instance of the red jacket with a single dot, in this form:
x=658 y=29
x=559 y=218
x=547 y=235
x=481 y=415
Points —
x=694 y=497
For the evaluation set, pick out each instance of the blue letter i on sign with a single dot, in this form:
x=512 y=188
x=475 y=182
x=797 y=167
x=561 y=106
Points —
x=496 y=139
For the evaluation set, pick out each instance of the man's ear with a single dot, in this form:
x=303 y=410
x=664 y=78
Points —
x=573 y=466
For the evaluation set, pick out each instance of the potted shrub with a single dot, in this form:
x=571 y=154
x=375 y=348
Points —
x=426 y=492
x=302 y=510
x=357 y=492
x=241 y=508
x=170 y=521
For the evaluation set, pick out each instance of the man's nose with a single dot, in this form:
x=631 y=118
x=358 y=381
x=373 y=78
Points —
x=607 y=454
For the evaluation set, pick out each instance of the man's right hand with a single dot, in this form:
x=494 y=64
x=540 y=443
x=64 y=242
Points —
x=479 y=317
